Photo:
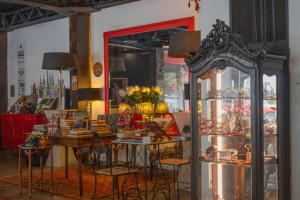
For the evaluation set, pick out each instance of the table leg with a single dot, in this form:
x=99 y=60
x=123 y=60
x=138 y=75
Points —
x=51 y=163
x=20 y=170
x=79 y=158
x=30 y=173
x=116 y=152
x=127 y=153
x=66 y=163
x=134 y=155
x=41 y=170
x=145 y=176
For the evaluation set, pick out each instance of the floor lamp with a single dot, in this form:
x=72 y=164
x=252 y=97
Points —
x=60 y=61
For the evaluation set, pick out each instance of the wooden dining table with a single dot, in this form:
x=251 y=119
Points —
x=81 y=144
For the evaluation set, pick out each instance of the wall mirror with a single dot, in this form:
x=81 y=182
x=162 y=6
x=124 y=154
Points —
x=139 y=56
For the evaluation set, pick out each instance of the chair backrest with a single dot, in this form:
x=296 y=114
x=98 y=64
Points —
x=97 y=149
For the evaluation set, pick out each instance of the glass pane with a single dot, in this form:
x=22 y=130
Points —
x=270 y=139
x=224 y=128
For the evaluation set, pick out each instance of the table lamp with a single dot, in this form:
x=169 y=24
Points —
x=90 y=94
x=183 y=44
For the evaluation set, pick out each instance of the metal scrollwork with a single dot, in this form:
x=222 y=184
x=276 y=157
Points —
x=220 y=40
x=221 y=63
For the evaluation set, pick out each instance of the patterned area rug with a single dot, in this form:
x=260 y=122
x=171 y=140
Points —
x=69 y=187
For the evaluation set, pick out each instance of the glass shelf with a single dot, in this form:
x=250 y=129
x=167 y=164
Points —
x=226 y=98
x=270 y=99
x=234 y=135
x=224 y=135
x=239 y=163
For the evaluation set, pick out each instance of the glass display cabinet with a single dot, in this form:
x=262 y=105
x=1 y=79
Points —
x=240 y=120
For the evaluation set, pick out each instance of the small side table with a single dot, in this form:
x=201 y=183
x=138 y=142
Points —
x=30 y=151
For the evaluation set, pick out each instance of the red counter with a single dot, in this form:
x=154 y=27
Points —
x=14 y=126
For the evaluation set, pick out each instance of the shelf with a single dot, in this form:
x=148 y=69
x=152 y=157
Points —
x=236 y=98
x=224 y=135
x=271 y=135
x=226 y=98
x=270 y=99
x=234 y=135
x=239 y=163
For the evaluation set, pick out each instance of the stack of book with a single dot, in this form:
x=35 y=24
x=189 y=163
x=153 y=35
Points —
x=100 y=127
x=40 y=129
x=66 y=126
x=79 y=132
x=142 y=139
x=126 y=135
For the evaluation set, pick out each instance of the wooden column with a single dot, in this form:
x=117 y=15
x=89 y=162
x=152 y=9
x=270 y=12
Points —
x=3 y=74
x=80 y=44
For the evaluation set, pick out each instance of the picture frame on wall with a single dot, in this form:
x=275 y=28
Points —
x=117 y=84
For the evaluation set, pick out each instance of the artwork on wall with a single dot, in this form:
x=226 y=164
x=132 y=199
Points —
x=21 y=71
x=97 y=69
x=12 y=91
x=117 y=84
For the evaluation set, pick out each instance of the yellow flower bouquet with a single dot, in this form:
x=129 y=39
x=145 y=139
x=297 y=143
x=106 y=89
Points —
x=135 y=95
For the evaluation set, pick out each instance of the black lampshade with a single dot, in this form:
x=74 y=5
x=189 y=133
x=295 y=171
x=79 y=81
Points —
x=187 y=91
x=59 y=60
x=182 y=44
x=90 y=94
x=117 y=64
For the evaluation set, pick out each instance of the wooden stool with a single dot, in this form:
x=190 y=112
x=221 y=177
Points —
x=30 y=151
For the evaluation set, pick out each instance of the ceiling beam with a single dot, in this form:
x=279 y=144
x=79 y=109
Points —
x=65 y=7
x=39 y=4
x=25 y=17
x=56 y=9
x=100 y=4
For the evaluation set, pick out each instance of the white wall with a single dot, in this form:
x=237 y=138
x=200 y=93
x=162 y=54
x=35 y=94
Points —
x=147 y=12
x=294 y=37
x=37 y=39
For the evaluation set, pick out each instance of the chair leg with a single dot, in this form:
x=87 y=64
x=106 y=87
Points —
x=113 y=188
x=124 y=188
x=177 y=179
x=169 y=187
x=137 y=185
x=95 y=187
x=117 y=185
x=174 y=177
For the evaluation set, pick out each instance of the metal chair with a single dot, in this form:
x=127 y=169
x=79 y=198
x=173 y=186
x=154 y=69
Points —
x=112 y=169
x=176 y=160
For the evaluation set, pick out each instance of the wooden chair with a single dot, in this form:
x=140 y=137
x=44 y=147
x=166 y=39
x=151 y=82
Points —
x=112 y=169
